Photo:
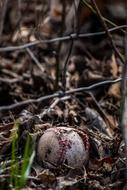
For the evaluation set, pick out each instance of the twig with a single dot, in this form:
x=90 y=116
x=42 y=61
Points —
x=35 y=59
x=28 y=49
x=104 y=116
x=75 y=29
x=64 y=38
x=94 y=11
x=123 y=116
x=65 y=66
x=107 y=31
x=123 y=85
x=58 y=94
x=51 y=107
x=2 y=19
x=11 y=81
x=59 y=46
x=19 y=176
x=9 y=73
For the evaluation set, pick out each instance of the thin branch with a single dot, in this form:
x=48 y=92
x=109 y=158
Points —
x=123 y=115
x=3 y=14
x=94 y=11
x=109 y=126
x=11 y=81
x=65 y=66
x=75 y=29
x=35 y=59
x=64 y=38
x=19 y=176
x=59 y=46
x=123 y=84
x=107 y=31
x=51 y=107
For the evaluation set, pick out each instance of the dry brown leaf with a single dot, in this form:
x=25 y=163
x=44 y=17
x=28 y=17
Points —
x=114 y=66
x=47 y=177
x=112 y=120
x=114 y=91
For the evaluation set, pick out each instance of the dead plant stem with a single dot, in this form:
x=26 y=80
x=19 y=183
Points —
x=107 y=31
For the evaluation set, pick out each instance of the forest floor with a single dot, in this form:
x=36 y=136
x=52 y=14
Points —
x=72 y=83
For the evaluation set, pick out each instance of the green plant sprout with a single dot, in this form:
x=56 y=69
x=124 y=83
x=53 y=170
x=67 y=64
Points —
x=20 y=170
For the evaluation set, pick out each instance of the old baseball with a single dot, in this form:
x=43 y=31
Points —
x=63 y=145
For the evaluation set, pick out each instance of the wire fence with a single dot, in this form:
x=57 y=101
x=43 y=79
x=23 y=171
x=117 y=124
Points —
x=58 y=94
x=73 y=36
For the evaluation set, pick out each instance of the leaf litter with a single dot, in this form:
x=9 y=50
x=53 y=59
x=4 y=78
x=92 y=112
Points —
x=25 y=75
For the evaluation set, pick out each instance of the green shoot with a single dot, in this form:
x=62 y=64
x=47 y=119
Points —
x=20 y=169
